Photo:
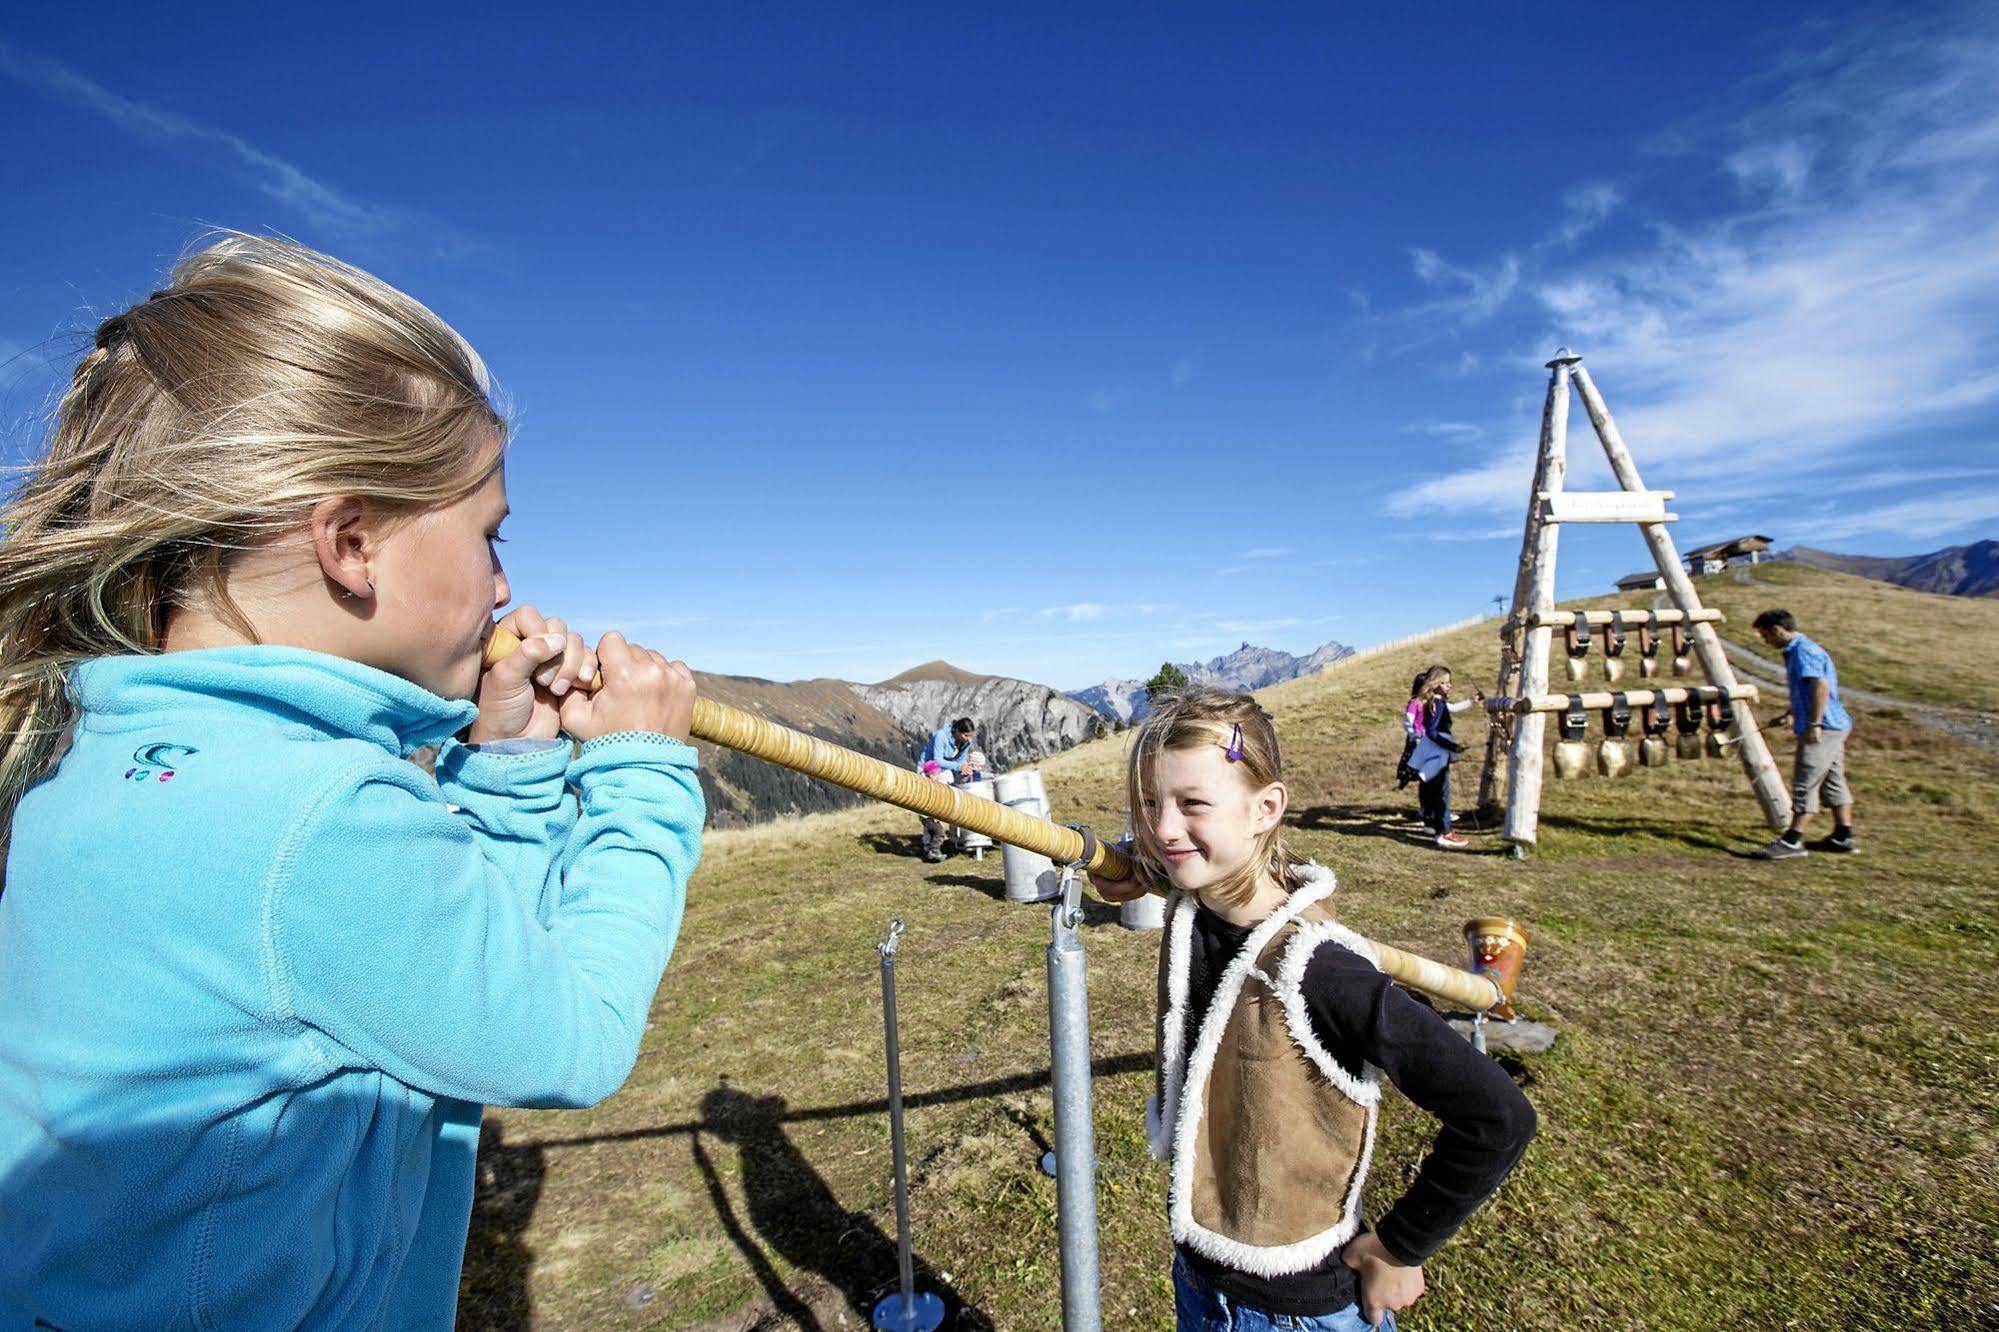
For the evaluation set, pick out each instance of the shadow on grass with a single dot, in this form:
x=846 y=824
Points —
x=1699 y=839
x=494 y=1289
x=1096 y=911
x=894 y=844
x=1396 y=823
x=790 y=1205
x=794 y=1212
x=1104 y=1066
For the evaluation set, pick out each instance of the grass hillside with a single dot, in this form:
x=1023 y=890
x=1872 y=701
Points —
x=1771 y=1103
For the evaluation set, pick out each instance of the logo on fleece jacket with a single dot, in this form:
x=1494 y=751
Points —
x=155 y=762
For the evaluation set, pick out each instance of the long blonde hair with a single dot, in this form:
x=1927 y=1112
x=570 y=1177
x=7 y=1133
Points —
x=1188 y=719
x=204 y=421
x=1427 y=682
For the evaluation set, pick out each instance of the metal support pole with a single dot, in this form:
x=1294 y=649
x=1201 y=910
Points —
x=905 y=1311
x=1075 y=1134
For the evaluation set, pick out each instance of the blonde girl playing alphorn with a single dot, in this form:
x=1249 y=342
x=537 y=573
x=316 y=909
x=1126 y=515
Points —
x=258 y=972
x=1274 y=1028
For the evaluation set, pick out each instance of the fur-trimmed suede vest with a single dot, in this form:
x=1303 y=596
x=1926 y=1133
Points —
x=1268 y=1136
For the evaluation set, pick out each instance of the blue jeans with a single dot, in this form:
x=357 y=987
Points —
x=1433 y=798
x=1201 y=1308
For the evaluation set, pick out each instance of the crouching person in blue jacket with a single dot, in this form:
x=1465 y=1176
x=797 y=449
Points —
x=258 y=972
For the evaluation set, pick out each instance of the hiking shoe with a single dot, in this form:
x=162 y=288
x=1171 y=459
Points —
x=933 y=857
x=1839 y=846
x=1779 y=850
x=1451 y=841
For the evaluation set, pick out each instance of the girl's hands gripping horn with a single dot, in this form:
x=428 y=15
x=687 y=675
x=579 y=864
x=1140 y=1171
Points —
x=631 y=688
x=520 y=694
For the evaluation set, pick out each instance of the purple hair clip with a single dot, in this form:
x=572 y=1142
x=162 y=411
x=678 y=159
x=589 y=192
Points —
x=1235 y=743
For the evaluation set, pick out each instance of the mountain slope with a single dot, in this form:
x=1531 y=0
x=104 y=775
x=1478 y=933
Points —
x=1019 y=721
x=1959 y=571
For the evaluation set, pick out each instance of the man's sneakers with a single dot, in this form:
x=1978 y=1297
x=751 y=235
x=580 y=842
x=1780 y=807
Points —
x=1841 y=843
x=1780 y=849
x=1451 y=841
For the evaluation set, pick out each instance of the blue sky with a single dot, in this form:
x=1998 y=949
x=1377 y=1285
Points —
x=1056 y=341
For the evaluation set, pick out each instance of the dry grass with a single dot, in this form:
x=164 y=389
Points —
x=1771 y=1103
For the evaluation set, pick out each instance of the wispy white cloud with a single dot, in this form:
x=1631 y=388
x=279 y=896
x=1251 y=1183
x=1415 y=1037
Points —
x=1475 y=534
x=1074 y=614
x=1465 y=295
x=1259 y=626
x=320 y=202
x=1451 y=430
x=1267 y=553
x=1586 y=207
x=1000 y=613
x=1925 y=519
x=1846 y=298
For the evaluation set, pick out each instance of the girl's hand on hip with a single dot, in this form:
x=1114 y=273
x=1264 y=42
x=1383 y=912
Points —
x=521 y=696
x=1385 y=1285
x=642 y=691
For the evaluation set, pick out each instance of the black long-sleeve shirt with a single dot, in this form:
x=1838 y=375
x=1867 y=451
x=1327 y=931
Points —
x=1360 y=1017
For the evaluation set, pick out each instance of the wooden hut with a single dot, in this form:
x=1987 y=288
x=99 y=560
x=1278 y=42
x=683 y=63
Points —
x=1718 y=556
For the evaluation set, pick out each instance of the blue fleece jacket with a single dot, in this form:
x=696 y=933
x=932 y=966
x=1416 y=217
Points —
x=258 y=974
x=944 y=750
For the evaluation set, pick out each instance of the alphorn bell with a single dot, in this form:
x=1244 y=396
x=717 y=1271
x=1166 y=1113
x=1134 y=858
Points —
x=719 y=724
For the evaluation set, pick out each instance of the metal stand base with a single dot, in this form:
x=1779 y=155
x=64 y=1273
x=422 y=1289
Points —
x=923 y=1313
x=1075 y=1136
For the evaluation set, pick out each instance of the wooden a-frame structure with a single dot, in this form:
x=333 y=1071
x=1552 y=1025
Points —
x=1527 y=635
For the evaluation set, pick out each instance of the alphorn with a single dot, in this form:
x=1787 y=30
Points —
x=719 y=724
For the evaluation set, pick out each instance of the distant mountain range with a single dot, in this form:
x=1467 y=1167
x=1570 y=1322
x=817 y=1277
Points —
x=1019 y=722
x=1958 y=571
x=1248 y=667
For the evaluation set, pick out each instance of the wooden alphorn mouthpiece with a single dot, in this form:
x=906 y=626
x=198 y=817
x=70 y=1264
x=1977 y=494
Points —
x=720 y=724
x=503 y=645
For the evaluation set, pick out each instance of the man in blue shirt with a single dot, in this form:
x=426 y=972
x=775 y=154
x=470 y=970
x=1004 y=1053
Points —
x=1821 y=725
x=943 y=759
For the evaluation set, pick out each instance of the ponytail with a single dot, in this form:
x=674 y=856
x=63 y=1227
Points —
x=204 y=421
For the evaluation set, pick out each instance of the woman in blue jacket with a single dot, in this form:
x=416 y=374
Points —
x=259 y=973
